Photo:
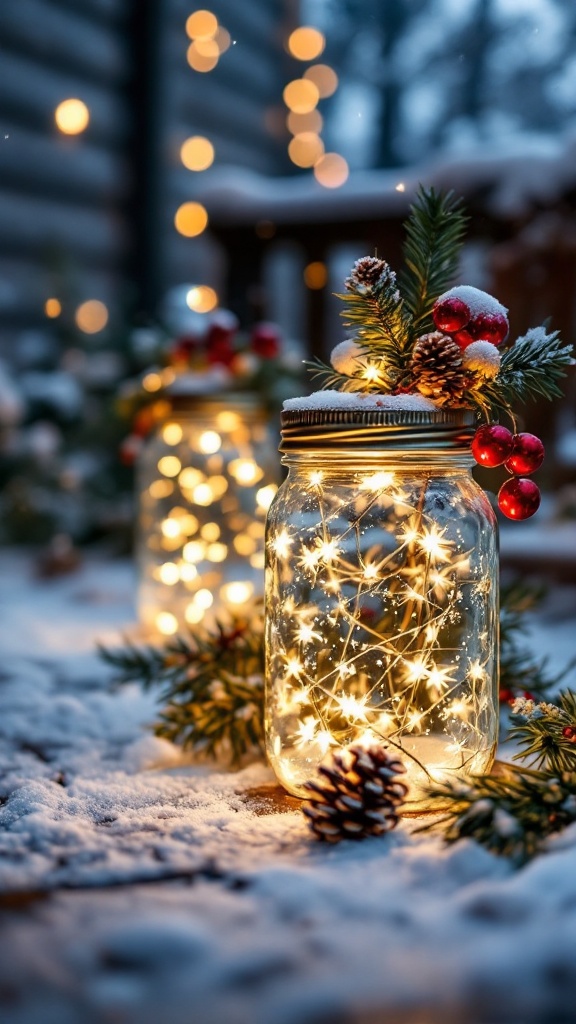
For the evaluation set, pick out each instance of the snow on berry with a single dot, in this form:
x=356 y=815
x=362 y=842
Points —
x=348 y=358
x=481 y=357
x=478 y=302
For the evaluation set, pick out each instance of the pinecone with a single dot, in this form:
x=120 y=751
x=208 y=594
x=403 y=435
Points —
x=366 y=273
x=357 y=795
x=438 y=370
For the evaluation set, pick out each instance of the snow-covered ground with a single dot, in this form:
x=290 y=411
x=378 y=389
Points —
x=138 y=889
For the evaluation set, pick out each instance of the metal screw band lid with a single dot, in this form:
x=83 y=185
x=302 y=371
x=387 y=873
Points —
x=377 y=429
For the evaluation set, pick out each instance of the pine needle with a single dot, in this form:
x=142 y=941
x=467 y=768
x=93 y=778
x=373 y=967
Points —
x=434 y=236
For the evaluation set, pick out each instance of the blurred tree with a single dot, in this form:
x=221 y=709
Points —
x=448 y=74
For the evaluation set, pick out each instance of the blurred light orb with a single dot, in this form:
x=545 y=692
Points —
x=52 y=308
x=223 y=39
x=203 y=55
x=305 y=149
x=190 y=219
x=331 y=171
x=91 y=316
x=72 y=116
x=301 y=96
x=310 y=122
x=197 y=153
x=202 y=25
x=325 y=79
x=315 y=275
x=202 y=298
x=306 y=43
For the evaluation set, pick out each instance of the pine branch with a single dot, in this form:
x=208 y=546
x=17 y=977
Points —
x=434 y=235
x=375 y=316
x=533 y=366
x=546 y=733
x=210 y=683
x=510 y=815
x=333 y=380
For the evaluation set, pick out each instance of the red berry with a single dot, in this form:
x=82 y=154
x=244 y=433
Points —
x=519 y=498
x=265 y=340
x=569 y=732
x=527 y=454
x=506 y=696
x=492 y=445
x=463 y=338
x=450 y=314
x=491 y=327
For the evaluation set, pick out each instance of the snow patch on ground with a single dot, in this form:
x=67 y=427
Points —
x=138 y=887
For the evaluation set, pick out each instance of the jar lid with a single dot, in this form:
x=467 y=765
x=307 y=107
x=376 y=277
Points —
x=306 y=429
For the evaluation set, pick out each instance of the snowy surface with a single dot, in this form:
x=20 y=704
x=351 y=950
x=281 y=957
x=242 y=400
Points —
x=139 y=889
x=526 y=175
x=359 y=400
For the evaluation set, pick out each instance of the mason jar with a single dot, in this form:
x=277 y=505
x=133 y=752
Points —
x=205 y=480
x=381 y=596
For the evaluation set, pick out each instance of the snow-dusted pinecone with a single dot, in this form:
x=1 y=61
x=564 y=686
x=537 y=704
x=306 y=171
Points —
x=366 y=273
x=358 y=794
x=437 y=368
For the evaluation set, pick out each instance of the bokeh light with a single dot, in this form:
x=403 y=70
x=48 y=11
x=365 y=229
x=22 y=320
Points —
x=331 y=171
x=305 y=149
x=301 y=96
x=52 y=308
x=197 y=153
x=202 y=24
x=202 y=298
x=223 y=39
x=203 y=55
x=325 y=79
x=72 y=116
x=190 y=219
x=316 y=275
x=91 y=316
x=306 y=43
x=310 y=122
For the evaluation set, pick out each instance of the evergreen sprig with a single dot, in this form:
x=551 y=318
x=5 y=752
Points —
x=545 y=732
x=434 y=236
x=510 y=814
x=210 y=683
x=330 y=378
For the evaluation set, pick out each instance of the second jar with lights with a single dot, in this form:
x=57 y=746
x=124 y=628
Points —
x=205 y=481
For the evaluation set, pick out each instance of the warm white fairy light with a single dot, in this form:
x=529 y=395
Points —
x=431 y=542
x=282 y=544
x=377 y=481
x=370 y=630
x=305 y=634
x=201 y=543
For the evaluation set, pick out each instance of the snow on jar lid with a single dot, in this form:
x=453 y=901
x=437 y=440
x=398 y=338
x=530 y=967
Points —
x=339 y=419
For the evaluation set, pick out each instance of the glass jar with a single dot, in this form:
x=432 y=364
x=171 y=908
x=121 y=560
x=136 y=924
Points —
x=205 y=480
x=381 y=596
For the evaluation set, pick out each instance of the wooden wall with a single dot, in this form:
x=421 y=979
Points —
x=91 y=216
x=62 y=198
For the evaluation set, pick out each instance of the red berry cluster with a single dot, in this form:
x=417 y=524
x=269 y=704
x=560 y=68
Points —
x=569 y=733
x=521 y=454
x=453 y=316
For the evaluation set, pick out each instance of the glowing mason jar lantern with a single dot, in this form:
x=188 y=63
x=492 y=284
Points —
x=381 y=595
x=206 y=478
